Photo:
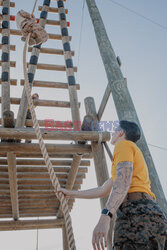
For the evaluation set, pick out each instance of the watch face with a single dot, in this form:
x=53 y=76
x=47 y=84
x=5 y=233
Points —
x=105 y=211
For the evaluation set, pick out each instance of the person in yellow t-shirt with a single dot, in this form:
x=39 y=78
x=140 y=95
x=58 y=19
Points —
x=141 y=223
x=35 y=98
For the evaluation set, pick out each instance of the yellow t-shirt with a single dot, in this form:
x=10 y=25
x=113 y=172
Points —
x=128 y=151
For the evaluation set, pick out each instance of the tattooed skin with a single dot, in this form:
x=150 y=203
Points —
x=121 y=186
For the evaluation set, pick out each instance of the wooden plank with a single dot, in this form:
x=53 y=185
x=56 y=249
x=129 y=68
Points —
x=51 y=36
x=43 y=177
x=31 y=224
x=12 y=81
x=44 y=50
x=51 y=155
x=43 y=103
x=44 y=123
x=48 y=84
x=104 y=102
x=12 y=4
x=12 y=47
x=29 y=133
x=13 y=184
x=36 y=162
x=45 y=66
x=12 y=64
x=52 y=9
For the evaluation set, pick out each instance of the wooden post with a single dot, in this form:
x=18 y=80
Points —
x=99 y=162
x=65 y=241
x=121 y=96
x=5 y=76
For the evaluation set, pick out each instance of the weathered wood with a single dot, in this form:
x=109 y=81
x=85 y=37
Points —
x=5 y=63
x=43 y=176
x=12 y=81
x=51 y=36
x=104 y=102
x=52 y=9
x=44 y=103
x=51 y=155
x=48 y=84
x=99 y=162
x=45 y=66
x=72 y=177
x=35 y=187
x=12 y=64
x=51 y=51
x=29 y=133
x=36 y=162
x=12 y=47
x=121 y=96
x=31 y=224
x=13 y=185
x=34 y=147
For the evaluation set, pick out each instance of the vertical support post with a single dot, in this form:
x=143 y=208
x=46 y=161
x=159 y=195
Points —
x=5 y=76
x=99 y=162
x=21 y=116
x=69 y=66
x=65 y=241
x=121 y=96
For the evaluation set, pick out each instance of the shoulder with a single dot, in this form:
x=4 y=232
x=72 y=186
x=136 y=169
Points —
x=125 y=145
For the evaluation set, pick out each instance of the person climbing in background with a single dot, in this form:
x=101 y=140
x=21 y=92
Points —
x=35 y=98
x=141 y=223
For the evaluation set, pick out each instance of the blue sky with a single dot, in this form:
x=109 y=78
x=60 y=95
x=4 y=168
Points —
x=141 y=46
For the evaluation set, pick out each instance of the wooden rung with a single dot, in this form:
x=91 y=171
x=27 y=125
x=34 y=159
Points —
x=12 y=64
x=12 y=81
x=51 y=51
x=52 y=9
x=42 y=123
x=45 y=66
x=12 y=4
x=51 y=36
x=51 y=155
x=54 y=22
x=12 y=47
x=44 y=103
x=48 y=84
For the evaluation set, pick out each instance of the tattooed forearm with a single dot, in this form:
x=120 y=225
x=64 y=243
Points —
x=121 y=186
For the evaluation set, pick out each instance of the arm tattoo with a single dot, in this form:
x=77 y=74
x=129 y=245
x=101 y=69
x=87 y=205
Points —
x=121 y=186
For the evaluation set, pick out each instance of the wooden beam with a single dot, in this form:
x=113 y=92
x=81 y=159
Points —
x=12 y=64
x=44 y=50
x=43 y=103
x=34 y=147
x=71 y=178
x=52 y=9
x=36 y=162
x=12 y=47
x=104 y=102
x=12 y=4
x=31 y=224
x=48 y=84
x=13 y=184
x=99 y=162
x=29 y=133
x=51 y=155
x=45 y=66
x=51 y=36
x=12 y=81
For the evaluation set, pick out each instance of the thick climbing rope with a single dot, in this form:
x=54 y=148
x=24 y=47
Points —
x=53 y=178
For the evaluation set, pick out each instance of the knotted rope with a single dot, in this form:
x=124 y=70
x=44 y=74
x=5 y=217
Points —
x=29 y=34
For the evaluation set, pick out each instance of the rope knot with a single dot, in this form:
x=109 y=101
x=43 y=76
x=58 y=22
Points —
x=27 y=24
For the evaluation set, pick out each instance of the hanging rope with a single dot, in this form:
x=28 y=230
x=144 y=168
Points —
x=54 y=179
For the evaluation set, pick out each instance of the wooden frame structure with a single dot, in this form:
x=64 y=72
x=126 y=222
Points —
x=25 y=187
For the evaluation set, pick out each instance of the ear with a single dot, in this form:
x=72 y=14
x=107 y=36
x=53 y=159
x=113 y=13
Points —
x=122 y=133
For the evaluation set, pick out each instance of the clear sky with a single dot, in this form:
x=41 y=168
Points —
x=141 y=45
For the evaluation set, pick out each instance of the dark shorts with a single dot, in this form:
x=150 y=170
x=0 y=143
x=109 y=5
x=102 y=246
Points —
x=140 y=225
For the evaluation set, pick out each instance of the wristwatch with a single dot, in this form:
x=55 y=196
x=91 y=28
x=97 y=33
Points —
x=107 y=212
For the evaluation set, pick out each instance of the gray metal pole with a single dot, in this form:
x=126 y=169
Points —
x=122 y=99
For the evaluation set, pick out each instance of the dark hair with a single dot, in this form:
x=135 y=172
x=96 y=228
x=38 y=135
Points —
x=131 y=129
